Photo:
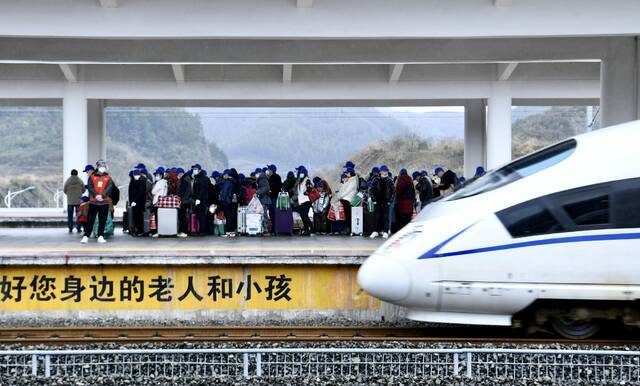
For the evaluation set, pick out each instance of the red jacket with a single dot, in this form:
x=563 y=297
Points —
x=404 y=205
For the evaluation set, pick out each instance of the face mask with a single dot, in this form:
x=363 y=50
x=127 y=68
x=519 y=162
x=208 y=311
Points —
x=136 y=177
x=102 y=169
x=195 y=171
x=157 y=178
x=384 y=174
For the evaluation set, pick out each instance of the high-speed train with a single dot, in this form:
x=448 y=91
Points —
x=551 y=239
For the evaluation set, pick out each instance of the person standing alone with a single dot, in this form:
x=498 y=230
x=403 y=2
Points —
x=73 y=189
x=99 y=187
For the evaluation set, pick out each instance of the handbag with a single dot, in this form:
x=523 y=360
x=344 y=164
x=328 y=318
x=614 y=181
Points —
x=357 y=199
x=336 y=213
x=152 y=222
x=313 y=195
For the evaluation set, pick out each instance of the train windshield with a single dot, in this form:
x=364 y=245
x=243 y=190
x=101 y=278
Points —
x=516 y=170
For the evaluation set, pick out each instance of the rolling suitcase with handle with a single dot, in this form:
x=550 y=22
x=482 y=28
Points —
x=357 y=221
x=283 y=221
x=167 y=221
x=242 y=220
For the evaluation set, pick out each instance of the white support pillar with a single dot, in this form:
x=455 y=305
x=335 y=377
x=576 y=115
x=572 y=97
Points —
x=475 y=125
x=74 y=131
x=620 y=82
x=499 y=125
x=96 y=131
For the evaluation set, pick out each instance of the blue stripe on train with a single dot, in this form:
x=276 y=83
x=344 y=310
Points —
x=433 y=253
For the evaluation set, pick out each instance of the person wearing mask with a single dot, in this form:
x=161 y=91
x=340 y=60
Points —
x=321 y=209
x=425 y=189
x=289 y=183
x=382 y=195
x=448 y=181
x=200 y=196
x=348 y=189
x=99 y=186
x=302 y=189
x=137 y=201
x=226 y=201
x=375 y=171
x=88 y=170
x=143 y=172
x=405 y=199
x=184 y=192
x=263 y=192
x=160 y=185
x=73 y=189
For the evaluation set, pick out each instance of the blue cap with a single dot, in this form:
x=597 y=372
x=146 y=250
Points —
x=438 y=170
x=215 y=174
x=196 y=166
x=258 y=170
x=88 y=167
x=190 y=173
x=272 y=167
x=290 y=174
x=241 y=177
x=301 y=169
x=227 y=172
x=403 y=171
x=425 y=173
x=375 y=169
x=350 y=171
x=317 y=179
x=144 y=171
x=179 y=171
x=140 y=166
x=131 y=173
x=84 y=199
x=349 y=165
x=480 y=170
x=415 y=174
x=159 y=170
x=318 y=184
x=384 y=168
x=135 y=172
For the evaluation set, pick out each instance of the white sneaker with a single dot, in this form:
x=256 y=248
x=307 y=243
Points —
x=182 y=235
x=373 y=235
x=84 y=240
x=155 y=235
x=101 y=240
x=385 y=235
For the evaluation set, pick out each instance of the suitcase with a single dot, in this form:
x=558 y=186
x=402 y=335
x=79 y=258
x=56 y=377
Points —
x=357 y=221
x=320 y=223
x=253 y=224
x=146 y=217
x=167 y=221
x=283 y=221
x=369 y=222
x=241 y=227
x=125 y=222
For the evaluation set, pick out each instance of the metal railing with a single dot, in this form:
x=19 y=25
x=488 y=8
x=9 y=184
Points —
x=11 y=195
x=551 y=365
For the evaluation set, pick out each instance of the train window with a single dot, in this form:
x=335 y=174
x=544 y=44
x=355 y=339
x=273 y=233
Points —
x=529 y=219
x=591 y=211
x=516 y=170
x=626 y=203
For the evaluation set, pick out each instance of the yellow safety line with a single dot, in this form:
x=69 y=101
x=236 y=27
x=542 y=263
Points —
x=185 y=249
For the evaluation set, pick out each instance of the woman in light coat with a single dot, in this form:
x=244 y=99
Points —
x=302 y=188
x=348 y=190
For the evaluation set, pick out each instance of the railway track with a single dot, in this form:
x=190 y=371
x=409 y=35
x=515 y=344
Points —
x=87 y=335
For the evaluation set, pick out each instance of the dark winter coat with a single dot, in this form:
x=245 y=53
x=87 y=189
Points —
x=425 y=189
x=382 y=190
x=226 y=191
x=185 y=190
x=288 y=184
x=405 y=195
x=263 y=190
x=138 y=192
x=275 y=185
x=201 y=189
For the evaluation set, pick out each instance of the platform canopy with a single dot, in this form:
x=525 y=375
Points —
x=484 y=54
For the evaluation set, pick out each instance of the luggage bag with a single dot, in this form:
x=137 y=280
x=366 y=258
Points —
x=283 y=221
x=368 y=221
x=167 y=221
x=357 y=226
x=242 y=220
x=253 y=224
x=126 y=227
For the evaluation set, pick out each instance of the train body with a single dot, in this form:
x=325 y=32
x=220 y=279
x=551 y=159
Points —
x=552 y=239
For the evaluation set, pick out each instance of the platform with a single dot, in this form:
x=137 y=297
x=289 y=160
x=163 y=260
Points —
x=55 y=246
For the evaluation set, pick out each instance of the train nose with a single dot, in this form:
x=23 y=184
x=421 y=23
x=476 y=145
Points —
x=384 y=278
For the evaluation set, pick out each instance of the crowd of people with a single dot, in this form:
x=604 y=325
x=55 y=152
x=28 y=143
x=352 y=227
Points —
x=207 y=204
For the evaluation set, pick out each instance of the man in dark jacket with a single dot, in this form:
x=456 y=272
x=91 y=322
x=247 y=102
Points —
x=289 y=182
x=448 y=181
x=382 y=194
x=184 y=192
x=137 y=200
x=200 y=196
x=226 y=201
x=275 y=186
x=425 y=189
x=263 y=192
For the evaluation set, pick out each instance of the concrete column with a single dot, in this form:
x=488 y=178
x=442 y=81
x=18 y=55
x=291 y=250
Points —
x=620 y=82
x=97 y=134
x=74 y=132
x=499 y=125
x=475 y=126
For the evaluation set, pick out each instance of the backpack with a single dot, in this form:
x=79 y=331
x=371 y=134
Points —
x=409 y=192
x=363 y=186
x=115 y=195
